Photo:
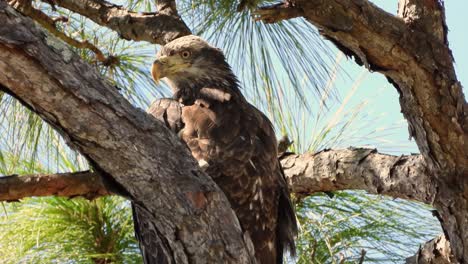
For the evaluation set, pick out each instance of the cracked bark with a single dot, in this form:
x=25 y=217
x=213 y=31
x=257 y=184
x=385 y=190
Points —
x=412 y=52
x=360 y=169
x=125 y=144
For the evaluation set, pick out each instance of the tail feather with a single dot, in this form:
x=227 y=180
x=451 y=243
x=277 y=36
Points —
x=287 y=229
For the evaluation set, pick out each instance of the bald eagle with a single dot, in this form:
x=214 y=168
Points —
x=233 y=142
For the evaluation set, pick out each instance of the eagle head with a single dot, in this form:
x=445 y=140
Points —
x=190 y=60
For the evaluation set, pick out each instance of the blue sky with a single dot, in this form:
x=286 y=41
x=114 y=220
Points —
x=384 y=97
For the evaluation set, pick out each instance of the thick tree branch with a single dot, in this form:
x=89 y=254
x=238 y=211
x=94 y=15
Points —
x=86 y=184
x=159 y=27
x=330 y=170
x=360 y=169
x=128 y=147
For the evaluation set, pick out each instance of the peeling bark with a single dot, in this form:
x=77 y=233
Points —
x=126 y=145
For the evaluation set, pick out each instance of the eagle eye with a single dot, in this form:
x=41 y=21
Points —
x=185 y=54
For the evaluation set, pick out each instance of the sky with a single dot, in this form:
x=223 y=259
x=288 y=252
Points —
x=384 y=97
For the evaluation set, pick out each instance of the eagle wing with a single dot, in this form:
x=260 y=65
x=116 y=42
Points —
x=286 y=223
x=168 y=111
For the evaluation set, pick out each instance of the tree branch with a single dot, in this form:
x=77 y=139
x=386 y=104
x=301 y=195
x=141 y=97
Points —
x=127 y=146
x=359 y=169
x=277 y=12
x=26 y=8
x=86 y=184
x=331 y=170
x=158 y=28
x=418 y=64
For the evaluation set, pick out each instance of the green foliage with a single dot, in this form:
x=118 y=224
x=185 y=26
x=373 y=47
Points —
x=339 y=228
x=59 y=230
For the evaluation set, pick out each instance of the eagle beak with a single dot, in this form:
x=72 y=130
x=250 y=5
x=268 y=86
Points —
x=158 y=70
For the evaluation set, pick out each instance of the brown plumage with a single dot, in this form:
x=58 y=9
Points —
x=232 y=140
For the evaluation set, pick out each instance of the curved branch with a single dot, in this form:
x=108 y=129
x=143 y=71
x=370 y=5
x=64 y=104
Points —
x=127 y=146
x=412 y=52
x=159 y=27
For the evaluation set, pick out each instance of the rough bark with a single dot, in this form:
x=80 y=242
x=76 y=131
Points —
x=413 y=54
x=436 y=251
x=86 y=184
x=158 y=27
x=329 y=170
x=167 y=7
x=132 y=150
x=360 y=169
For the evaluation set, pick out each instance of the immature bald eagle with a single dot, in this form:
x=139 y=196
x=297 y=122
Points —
x=232 y=140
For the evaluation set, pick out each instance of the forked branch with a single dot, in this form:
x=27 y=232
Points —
x=50 y=24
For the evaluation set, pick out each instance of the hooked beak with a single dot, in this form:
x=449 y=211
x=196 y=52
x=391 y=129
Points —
x=159 y=68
